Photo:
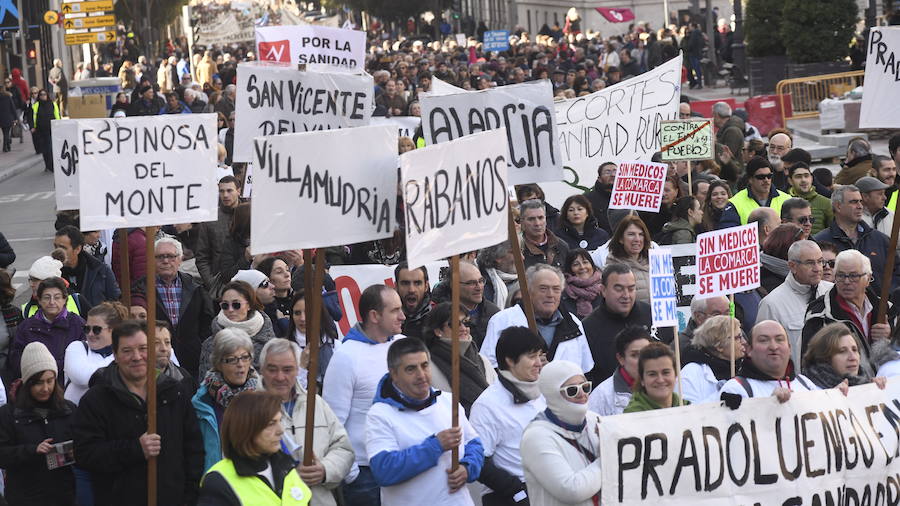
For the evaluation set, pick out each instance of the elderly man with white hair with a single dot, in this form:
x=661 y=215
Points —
x=702 y=310
x=849 y=302
x=279 y=364
x=787 y=303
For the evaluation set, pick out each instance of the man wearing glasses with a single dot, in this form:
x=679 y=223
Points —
x=759 y=193
x=787 y=303
x=849 y=231
x=849 y=302
x=471 y=296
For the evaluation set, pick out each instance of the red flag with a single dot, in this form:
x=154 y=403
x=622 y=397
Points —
x=616 y=15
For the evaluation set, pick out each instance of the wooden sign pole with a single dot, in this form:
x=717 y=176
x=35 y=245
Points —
x=454 y=353
x=520 y=271
x=678 y=364
x=313 y=334
x=881 y=317
x=150 y=232
x=731 y=310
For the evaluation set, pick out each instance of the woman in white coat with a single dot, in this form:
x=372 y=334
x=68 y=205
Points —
x=558 y=472
x=707 y=361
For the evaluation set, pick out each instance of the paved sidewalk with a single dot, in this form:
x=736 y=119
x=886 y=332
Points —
x=21 y=158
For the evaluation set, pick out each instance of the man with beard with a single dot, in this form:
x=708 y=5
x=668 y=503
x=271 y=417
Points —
x=415 y=295
x=780 y=144
x=601 y=193
x=885 y=169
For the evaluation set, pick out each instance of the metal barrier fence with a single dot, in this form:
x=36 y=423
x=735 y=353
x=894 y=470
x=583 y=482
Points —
x=805 y=93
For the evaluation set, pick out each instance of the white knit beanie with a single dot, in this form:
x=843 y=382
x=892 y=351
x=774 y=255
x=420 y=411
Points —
x=36 y=358
x=45 y=267
x=553 y=375
x=252 y=277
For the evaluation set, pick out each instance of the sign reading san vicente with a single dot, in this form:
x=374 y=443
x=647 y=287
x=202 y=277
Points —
x=275 y=99
x=727 y=261
x=524 y=110
x=311 y=45
x=152 y=170
x=314 y=190
x=819 y=448
x=455 y=196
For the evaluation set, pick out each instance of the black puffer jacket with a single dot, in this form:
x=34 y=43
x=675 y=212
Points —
x=28 y=481
x=107 y=427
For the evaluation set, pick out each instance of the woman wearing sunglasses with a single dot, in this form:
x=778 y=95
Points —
x=231 y=374
x=561 y=447
x=239 y=309
x=655 y=385
x=475 y=372
x=83 y=358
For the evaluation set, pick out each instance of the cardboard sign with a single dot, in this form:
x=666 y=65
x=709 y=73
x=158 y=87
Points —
x=274 y=100
x=819 y=448
x=315 y=190
x=454 y=196
x=639 y=186
x=496 y=40
x=65 y=162
x=880 y=107
x=525 y=110
x=621 y=122
x=663 y=299
x=727 y=261
x=311 y=45
x=406 y=125
x=690 y=139
x=147 y=171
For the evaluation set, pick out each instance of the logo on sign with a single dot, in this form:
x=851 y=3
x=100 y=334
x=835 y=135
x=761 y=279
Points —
x=278 y=51
x=617 y=15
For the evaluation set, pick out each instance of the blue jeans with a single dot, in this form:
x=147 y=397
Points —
x=363 y=491
x=695 y=71
x=84 y=493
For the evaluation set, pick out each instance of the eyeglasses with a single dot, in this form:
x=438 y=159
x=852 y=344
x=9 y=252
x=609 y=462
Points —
x=760 y=177
x=571 y=391
x=829 y=264
x=234 y=305
x=264 y=284
x=93 y=329
x=474 y=282
x=467 y=322
x=168 y=257
x=55 y=298
x=233 y=360
x=812 y=263
x=803 y=220
x=852 y=277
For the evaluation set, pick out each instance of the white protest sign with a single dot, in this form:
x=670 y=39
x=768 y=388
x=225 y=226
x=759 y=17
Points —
x=880 y=107
x=639 y=186
x=147 y=171
x=525 y=110
x=615 y=124
x=351 y=280
x=819 y=448
x=439 y=88
x=248 y=181
x=275 y=100
x=311 y=45
x=690 y=139
x=454 y=196
x=727 y=261
x=461 y=40
x=406 y=125
x=315 y=190
x=65 y=163
x=663 y=299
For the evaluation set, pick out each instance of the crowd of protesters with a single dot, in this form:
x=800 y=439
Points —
x=231 y=327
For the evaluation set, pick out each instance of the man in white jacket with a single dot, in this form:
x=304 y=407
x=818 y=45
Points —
x=787 y=303
x=352 y=380
x=561 y=330
x=279 y=363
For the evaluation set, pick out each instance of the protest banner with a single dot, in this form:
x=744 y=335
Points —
x=314 y=190
x=496 y=40
x=525 y=110
x=818 y=448
x=639 y=186
x=65 y=163
x=690 y=139
x=461 y=39
x=145 y=171
x=311 y=45
x=247 y=190
x=727 y=261
x=454 y=196
x=275 y=99
x=406 y=125
x=621 y=122
x=880 y=107
x=663 y=299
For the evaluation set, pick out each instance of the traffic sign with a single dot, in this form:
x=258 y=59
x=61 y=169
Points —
x=89 y=37
x=89 y=21
x=51 y=17
x=87 y=6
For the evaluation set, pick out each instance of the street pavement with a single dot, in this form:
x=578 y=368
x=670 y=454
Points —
x=27 y=210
